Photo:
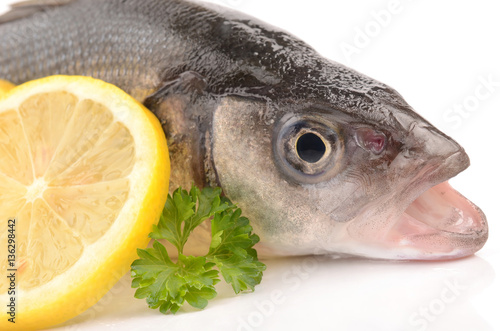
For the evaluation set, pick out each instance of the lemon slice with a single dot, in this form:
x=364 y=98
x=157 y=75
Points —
x=5 y=86
x=84 y=173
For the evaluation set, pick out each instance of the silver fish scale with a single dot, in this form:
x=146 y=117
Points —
x=71 y=40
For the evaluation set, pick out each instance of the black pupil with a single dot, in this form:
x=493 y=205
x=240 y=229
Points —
x=310 y=147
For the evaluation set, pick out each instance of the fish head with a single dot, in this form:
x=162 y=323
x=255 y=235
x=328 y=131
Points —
x=367 y=177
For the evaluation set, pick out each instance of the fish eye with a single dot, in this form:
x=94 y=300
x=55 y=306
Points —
x=310 y=147
x=307 y=149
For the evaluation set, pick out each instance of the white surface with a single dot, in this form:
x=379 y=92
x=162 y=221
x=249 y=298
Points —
x=435 y=55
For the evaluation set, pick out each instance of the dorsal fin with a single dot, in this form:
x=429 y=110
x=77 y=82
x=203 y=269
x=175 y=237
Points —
x=30 y=7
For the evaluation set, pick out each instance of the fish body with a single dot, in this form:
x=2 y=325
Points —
x=321 y=158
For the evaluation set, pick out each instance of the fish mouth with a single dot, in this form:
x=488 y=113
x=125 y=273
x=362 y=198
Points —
x=440 y=224
x=427 y=220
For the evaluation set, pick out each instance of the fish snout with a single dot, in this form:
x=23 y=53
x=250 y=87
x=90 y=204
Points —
x=435 y=150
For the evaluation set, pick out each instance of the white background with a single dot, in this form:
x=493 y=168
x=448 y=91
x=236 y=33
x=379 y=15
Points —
x=435 y=54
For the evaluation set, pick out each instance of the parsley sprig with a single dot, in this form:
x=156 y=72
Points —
x=166 y=284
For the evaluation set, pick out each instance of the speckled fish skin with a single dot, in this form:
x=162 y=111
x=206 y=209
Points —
x=236 y=97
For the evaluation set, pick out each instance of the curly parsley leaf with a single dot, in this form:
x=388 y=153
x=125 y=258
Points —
x=231 y=251
x=166 y=284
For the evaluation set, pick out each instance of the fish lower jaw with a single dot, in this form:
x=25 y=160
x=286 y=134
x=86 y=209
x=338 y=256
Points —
x=439 y=224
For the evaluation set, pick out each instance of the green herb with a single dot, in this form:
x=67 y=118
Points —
x=166 y=284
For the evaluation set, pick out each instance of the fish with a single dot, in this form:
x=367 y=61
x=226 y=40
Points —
x=321 y=158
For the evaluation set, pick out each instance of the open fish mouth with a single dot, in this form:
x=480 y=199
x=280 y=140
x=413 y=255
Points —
x=426 y=220
x=440 y=223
